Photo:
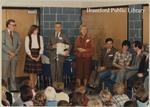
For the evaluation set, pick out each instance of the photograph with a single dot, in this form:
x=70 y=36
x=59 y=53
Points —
x=88 y=53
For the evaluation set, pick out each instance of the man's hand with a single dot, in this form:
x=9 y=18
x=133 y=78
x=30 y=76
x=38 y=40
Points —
x=140 y=75
x=101 y=68
x=127 y=67
x=11 y=55
x=81 y=50
x=54 y=46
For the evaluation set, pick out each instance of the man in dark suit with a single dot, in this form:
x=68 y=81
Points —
x=143 y=67
x=57 y=61
x=105 y=63
x=10 y=49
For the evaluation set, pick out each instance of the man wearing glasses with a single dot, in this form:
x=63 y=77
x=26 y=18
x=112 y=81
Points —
x=10 y=48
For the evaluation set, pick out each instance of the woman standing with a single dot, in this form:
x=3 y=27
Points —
x=34 y=49
x=84 y=51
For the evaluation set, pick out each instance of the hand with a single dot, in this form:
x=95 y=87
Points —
x=54 y=46
x=34 y=58
x=127 y=67
x=11 y=55
x=81 y=50
x=140 y=75
x=101 y=68
x=38 y=58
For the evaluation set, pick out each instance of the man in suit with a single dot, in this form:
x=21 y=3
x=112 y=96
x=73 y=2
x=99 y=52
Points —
x=57 y=61
x=10 y=49
x=105 y=63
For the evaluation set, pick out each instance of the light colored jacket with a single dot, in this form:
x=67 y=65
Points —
x=7 y=45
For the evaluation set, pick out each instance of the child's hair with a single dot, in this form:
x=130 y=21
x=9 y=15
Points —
x=119 y=88
x=77 y=99
x=26 y=93
x=95 y=102
x=106 y=97
x=130 y=103
x=40 y=99
x=63 y=103
x=141 y=94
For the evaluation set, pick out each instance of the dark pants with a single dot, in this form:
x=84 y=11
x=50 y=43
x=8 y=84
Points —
x=57 y=71
x=107 y=79
x=133 y=79
x=83 y=68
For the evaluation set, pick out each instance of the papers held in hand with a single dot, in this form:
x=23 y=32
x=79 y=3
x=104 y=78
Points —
x=61 y=48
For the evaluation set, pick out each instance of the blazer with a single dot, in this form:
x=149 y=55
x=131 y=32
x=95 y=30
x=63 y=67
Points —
x=85 y=43
x=144 y=65
x=7 y=44
x=53 y=40
x=106 y=59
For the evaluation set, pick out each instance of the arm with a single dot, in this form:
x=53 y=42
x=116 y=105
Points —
x=135 y=66
x=142 y=65
x=77 y=45
x=4 y=47
x=91 y=48
x=19 y=45
x=66 y=39
x=50 y=44
x=129 y=60
x=42 y=45
x=41 y=50
x=27 y=47
x=116 y=60
x=101 y=57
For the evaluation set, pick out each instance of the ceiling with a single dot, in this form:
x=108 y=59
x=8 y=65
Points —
x=70 y=3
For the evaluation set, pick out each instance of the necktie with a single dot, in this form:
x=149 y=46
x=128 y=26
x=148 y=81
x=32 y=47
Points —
x=11 y=36
x=57 y=35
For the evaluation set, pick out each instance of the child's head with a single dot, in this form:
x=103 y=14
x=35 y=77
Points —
x=106 y=97
x=130 y=104
x=94 y=102
x=81 y=89
x=40 y=99
x=119 y=88
x=63 y=103
x=141 y=94
x=77 y=99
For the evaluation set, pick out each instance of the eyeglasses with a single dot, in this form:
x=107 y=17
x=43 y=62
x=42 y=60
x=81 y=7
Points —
x=13 y=25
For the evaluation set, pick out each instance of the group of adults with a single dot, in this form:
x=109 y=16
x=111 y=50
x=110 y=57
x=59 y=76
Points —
x=119 y=65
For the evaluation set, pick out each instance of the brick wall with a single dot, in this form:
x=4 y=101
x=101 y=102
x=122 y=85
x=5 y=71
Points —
x=69 y=17
x=71 y=20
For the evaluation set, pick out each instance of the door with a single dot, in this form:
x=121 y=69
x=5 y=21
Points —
x=24 y=19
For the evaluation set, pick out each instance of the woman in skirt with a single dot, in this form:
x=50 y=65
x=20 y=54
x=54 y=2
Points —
x=84 y=48
x=34 y=49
